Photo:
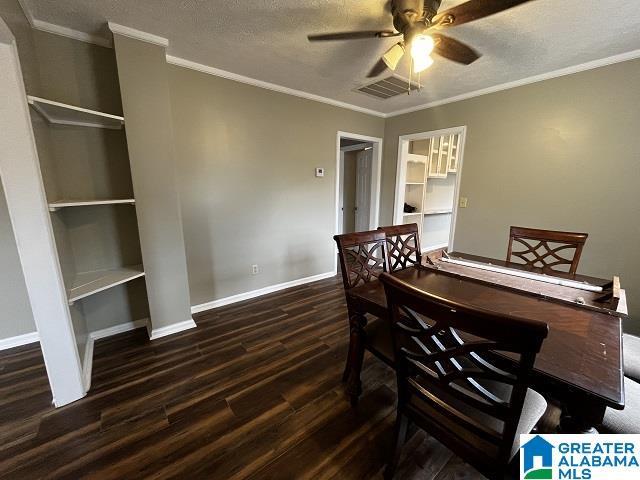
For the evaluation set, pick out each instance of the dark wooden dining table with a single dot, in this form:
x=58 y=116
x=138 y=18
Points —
x=580 y=364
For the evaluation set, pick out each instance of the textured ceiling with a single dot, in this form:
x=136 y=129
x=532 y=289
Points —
x=266 y=40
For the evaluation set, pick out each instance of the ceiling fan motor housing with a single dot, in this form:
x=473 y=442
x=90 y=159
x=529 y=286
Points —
x=408 y=12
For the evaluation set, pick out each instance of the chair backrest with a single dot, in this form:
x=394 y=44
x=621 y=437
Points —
x=363 y=257
x=540 y=248
x=448 y=371
x=403 y=246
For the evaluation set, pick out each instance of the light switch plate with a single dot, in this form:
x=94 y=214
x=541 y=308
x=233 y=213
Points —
x=463 y=202
x=319 y=171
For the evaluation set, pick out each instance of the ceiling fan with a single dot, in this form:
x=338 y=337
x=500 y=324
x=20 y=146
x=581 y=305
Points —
x=419 y=24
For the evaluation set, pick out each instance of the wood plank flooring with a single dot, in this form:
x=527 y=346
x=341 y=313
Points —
x=253 y=393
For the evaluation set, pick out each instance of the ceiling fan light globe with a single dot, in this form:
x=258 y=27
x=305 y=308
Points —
x=393 y=56
x=422 y=63
x=422 y=46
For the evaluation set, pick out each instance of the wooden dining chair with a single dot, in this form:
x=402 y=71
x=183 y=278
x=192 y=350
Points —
x=363 y=258
x=449 y=381
x=627 y=420
x=403 y=246
x=540 y=248
x=631 y=354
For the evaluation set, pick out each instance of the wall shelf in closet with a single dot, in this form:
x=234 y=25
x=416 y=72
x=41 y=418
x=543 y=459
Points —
x=443 y=211
x=64 y=114
x=57 y=205
x=86 y=284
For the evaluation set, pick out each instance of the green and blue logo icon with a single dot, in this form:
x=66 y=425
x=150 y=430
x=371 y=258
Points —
x=536 y=459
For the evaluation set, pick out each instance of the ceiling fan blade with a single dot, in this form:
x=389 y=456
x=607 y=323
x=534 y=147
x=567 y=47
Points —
x=473 y=10
x=352 y=35
x=453 y=49
x=377 y=69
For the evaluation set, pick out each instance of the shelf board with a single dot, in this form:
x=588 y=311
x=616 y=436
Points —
x=86 y=284
x=64 y=114
x=439 y=212
x=53 y=206
x=414 y=183
x=411 y=214
x=415 y=158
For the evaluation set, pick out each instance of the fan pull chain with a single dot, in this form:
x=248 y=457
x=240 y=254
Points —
x=410 y=77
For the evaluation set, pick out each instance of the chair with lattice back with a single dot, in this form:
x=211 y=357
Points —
x=403 y=246
x=450 y=382
x=362 y=259
x=541 y=249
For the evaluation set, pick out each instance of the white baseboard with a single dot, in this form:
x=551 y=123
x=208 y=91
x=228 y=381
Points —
x=19 y=340
x=116 y=329
x=171 y=329
x=257 y=293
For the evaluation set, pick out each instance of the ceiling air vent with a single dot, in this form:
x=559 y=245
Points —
x=387 y=87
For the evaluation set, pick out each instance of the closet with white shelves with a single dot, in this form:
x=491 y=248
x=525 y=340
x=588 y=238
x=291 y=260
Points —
x=86 y=176
x=427 y=184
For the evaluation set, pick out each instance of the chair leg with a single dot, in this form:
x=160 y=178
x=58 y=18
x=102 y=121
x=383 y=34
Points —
x=347 y=367
x=402 y=424
x=356 y=351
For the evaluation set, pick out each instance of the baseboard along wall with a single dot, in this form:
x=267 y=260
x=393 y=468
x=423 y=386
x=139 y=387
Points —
x=259 y=292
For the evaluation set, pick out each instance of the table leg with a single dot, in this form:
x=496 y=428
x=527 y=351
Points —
x=582 y=416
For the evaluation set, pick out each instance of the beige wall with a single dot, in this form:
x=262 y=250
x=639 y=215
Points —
x=16 y=317
x=245 y=162
x=146 y=102
x=559 y=154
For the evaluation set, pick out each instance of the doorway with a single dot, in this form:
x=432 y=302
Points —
x=355 y=187
x=358 y=166
x=428 y=185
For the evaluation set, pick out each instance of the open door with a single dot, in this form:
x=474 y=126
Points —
x=363 y=189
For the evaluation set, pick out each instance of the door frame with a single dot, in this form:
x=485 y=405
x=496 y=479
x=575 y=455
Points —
x=376 y=173
x=403 y=147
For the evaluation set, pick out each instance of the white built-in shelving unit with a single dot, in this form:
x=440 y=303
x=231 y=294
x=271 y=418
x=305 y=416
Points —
x=428 y=165
x=82 y=284
x=87 y=180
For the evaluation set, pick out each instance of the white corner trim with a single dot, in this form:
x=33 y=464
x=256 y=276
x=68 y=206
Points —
x=71 y=33
x=138 y=34
x=171 y=329
x=257 y=293
x=87 y=363
x=19 y=340
x=181 y=62
x=603 y=62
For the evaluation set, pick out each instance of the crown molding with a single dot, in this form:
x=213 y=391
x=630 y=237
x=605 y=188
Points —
x=181 y=62
x=71 y=33
x=603 y=62
x=138 y=34
x=63 y=31
x=157 y=40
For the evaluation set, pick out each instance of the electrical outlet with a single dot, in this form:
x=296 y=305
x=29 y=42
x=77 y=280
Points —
x=463 y=202
x=255 y=269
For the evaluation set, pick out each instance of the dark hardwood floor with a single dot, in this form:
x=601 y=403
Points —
x=253 y=392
